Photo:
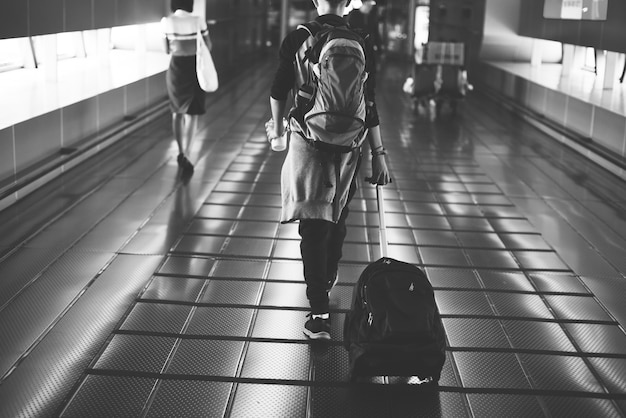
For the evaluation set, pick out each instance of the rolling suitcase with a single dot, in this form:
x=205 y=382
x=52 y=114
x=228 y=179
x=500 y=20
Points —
x=393 y=327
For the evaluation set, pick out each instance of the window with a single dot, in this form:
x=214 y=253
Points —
x=13 y=53
x=148 y=37
x=589 y=59
x=70 y=45
x=17 y=53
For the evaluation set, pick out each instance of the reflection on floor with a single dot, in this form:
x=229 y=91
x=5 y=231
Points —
x=128 y=290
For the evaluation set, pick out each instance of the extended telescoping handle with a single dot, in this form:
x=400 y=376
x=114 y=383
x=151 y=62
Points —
x=382 y=228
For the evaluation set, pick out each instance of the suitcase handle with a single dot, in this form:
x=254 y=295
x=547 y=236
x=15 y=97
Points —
x=382 y=228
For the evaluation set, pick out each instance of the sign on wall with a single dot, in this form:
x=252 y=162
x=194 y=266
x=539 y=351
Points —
x=575 y=9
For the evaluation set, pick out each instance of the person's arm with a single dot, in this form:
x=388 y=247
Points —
x=380 y=172
x=164 y=30
x=278 y=110
x=205 y=35
x=284 y=79
x=208 y=42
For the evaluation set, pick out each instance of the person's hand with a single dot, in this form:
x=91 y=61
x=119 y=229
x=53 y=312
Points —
x=380 y=172
x=272 y=131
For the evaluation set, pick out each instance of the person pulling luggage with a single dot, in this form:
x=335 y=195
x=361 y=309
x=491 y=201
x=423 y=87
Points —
x=318 y=177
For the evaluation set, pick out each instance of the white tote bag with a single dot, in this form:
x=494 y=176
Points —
x=205 y=68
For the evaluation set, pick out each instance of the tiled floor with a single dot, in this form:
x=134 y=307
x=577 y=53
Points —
x=128 y=291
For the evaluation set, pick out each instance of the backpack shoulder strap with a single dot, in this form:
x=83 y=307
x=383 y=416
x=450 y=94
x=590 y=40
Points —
x=313 y=27
x=306 y=51
x=362 y=33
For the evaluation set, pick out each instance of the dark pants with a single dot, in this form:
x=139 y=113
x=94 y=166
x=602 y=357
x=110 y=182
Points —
x=321 y=249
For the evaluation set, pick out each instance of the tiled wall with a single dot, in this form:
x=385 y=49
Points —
x=604 y=127
x=26 y=144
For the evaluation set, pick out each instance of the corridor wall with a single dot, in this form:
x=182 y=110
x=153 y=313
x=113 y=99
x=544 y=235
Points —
x=511 y=29
x=238 y=31
x=606 y=34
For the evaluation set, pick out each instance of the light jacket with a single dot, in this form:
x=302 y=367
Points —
x=315 y=184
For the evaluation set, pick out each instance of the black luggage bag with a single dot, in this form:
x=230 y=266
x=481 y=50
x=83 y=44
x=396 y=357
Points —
x=393 y=327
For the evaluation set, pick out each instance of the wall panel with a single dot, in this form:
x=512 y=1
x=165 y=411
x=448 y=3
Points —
x=579 y=116
x=136 y=97
x=22 y=18
x=570 y=32
x=537 y=98
x=589 y=33
x=125 y=13
x=156 y=88
x=78 y=15
x=14 y=19
x=605 y=125
x=606 y=129
x=550 y=29
x=509 y=85
x=556 y=103
x=45 y=17
x=104 y=13
x=614 y=30
x=6 y=155
x=37 y=138
x=609 y=34
x=151 y=10
x=109 y=105
x=80 y=120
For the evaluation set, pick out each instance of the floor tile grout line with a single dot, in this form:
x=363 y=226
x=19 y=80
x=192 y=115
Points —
x=120 y=322
x=495 y=316
x=338 y=384
x=567 y=332
x=339 y=343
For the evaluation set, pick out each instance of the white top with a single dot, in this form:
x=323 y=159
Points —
x=180 y=29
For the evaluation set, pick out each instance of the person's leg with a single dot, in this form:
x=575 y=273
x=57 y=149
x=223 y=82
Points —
x=189 y=130
x=180 y=126
x=177 y=128
x=314 y=234
x=336 y=237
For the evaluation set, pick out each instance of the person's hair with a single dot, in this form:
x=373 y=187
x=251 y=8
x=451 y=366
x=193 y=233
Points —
x=336 y=3
x=186 y=5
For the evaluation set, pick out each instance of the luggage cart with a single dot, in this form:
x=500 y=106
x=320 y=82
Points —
x=439 y=78
x=453 y=89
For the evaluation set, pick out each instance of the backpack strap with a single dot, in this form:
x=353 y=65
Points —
x=313 y=27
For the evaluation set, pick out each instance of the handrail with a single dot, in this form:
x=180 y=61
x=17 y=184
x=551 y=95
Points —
x=584 y=141
x=66 y=155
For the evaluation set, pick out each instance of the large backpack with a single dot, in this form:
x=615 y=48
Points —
x=394 y=327
x=329 y=108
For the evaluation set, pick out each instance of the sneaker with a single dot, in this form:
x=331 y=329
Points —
x=317 y=328
x=332 y=282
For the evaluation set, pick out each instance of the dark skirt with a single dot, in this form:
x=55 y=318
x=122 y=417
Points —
x=183 y=89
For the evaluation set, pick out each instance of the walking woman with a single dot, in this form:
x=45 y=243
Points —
x=187 y=99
